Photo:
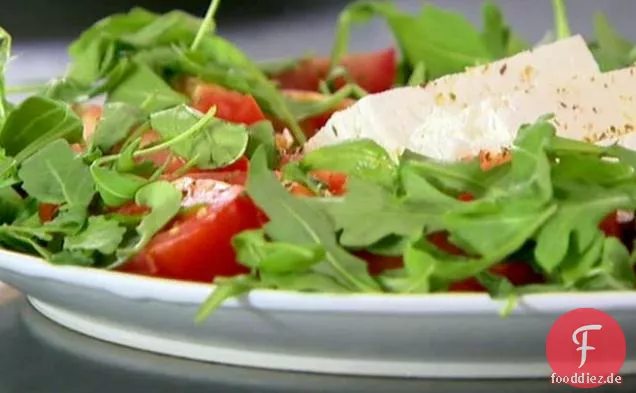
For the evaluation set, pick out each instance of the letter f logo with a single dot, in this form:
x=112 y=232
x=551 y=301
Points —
x=584 y=347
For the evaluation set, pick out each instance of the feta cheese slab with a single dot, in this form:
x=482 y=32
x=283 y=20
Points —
x=597 y=109
x=389 y=118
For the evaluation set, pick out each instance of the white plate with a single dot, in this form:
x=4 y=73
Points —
x=442 y=336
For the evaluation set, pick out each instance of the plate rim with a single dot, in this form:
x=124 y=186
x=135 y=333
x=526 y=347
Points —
x=142 y=288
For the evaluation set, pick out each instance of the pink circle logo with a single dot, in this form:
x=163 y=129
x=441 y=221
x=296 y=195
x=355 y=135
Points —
x=586 y=349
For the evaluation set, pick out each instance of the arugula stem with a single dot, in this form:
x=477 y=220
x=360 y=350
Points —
x=20 y=89
x=198 y=126
x=206 y=25
x=561 y=24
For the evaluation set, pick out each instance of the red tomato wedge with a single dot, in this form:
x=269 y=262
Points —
x=518 y=273
x=197 y=246
x=230 y=105
x=336 y=182
x=373 y=71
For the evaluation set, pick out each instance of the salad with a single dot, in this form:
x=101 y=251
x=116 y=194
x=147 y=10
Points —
x=165 y=151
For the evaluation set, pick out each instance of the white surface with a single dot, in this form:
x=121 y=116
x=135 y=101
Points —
x=454 y=335
x=446 y=120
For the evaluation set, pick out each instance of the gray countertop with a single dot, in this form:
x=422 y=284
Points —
x=38 y=356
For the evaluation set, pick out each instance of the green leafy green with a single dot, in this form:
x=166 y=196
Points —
x=5 y=54
x=610 y=49
x=217 y=145
x=114 y=187
x=101 y=234
x=293 y=220
x=117 y=120
x=139 y=84
x=497 y=36
x=576 y=219
x=263 y=134
x=561 y=23
x=164 y=201
x=254 y=251
x=363 y=159
x=369 y=213
x=55 y=175
x=35 y=123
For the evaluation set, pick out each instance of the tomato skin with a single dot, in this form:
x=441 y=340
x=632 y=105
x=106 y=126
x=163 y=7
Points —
x=47 y=211
x=373 y=71
x=611 y=227
x=377 y=264
x=336 y=182
x=197 y=246
x=90 y=115
x=230 y=105
x=517 y=272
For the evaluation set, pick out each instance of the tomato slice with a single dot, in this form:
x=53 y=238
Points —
x=517 y=272
x=373 y=71
x=336 y=182
x=47 y=211
x=611 y=227
x=377 y=264
x=230 y=105
x=90 y=115
x=197 y=246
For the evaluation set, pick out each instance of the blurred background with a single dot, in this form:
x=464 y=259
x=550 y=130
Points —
x=265 y=29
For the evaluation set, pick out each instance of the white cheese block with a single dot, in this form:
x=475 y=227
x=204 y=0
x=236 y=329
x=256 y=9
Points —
x=598 y=109
x=391 y=117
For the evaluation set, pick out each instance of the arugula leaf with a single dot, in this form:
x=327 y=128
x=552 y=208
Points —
x=226 y=288
x=37 y=122
x=454 y=177
x=263 y=134
x=115 y=188
x=217 y=145
x=305 y=282
x=164 y=201
x=256 y=252
x=101 y=234
x=611 y=50
x=306 y=108
x=418 y=76
x=369 y=213
x=615 y=270
x=72 y=258
x=579 y=260
x=497 y=35
x=578 y=215
x=5 y=55
x=292 y=220
x=140 y=83
x=528 y=177
x=55 y=175
x=495 y=231
x=11 y=204
x=561 y=23
x=590 y=170
x=115 y=124
x=361 y=158
x=69 y=220
x=445 y=41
